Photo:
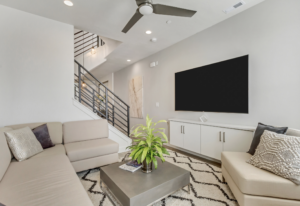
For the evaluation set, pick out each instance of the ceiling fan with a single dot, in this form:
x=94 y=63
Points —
x=146 y=7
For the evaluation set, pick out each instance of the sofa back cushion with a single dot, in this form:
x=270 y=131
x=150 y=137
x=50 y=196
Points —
x=85 y=130
x=293 y=132
x=5 y=155
x=54 y=128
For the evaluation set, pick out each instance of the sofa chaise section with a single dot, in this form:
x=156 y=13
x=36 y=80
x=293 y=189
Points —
x=47 y=178
x=87 y=144
x=47 y=181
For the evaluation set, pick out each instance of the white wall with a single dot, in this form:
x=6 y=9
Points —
x=268 y=32
x=37 y=69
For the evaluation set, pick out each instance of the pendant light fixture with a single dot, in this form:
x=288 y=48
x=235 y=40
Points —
x=93 y=51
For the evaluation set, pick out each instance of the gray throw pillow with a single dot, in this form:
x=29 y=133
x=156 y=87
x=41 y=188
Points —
x=23 y=143
x=260 y=130
x=279 y=154
x=42 y=135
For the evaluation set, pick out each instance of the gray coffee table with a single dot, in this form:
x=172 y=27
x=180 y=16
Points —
x=140 y=189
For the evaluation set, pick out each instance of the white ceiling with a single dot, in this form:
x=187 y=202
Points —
x=108 y=17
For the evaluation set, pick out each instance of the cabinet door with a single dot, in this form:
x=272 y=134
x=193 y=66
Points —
x=176 y=135
x=237 y=140
x=191 y=137
x=211 y=145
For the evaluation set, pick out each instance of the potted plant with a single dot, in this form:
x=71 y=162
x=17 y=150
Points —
x=148 y=144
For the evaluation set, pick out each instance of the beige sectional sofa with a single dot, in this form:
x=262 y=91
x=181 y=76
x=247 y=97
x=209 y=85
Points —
x=256 y=187
x=49 y=178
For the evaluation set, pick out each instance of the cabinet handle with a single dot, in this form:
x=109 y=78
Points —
x=220 y=136
x=181 y=129
x=223 y=136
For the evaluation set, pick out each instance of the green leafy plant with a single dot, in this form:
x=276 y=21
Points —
x=148 y=144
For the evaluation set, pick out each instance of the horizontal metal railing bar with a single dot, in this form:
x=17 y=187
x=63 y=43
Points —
x=93 y=88
x=120 y=116
x=82 y=90
x=121 y=123
x=85 y=42
x=98 y=104
x=109 y=112
x=83 y=35
x=83 y=52
x=87 y=46
x=78 y=32
x=92 y=82
x=91 y=106
x=118 y=103
x=117 y=107
x=120 y=127
x=83 y=39
x=120 y=111
x=101 y=83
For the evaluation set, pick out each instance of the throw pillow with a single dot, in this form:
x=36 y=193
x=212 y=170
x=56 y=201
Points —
x=23 y=143
x=42 y=135
x=260 y=130
x=279 y=154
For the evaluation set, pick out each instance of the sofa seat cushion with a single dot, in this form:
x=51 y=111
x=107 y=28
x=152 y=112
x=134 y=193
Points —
x=254 y=181
x=91 y=148
x=58 y=149
x=48 y=181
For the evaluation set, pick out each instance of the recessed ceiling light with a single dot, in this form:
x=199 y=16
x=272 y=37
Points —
x=154 y=39
x=148 y=32
x=128 y=60
x=169 y=22
x=68 y=3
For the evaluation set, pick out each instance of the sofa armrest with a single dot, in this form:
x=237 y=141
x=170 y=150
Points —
x=85 y=130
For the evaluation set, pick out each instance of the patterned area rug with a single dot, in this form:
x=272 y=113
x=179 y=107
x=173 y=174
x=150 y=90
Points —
x=207 y=187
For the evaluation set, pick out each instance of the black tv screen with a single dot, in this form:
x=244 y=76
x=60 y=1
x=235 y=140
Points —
x=218 y=87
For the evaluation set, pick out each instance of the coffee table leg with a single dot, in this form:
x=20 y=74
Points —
x=189 y=186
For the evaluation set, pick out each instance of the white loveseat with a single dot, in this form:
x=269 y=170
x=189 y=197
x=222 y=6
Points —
x=256 y=187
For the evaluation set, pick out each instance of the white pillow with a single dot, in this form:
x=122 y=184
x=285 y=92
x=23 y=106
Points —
x=23 y=143
x=279 y=154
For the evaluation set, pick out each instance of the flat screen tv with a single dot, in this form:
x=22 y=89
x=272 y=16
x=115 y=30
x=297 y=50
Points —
x=218 y=87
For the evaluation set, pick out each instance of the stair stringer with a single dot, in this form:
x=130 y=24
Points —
x=114 y=134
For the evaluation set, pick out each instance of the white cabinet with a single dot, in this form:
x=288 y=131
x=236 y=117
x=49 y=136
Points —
x=236 y=140
x=176 y=135
x=186 y=136
x=210 y=139
x=215 y=140
x=191 y=140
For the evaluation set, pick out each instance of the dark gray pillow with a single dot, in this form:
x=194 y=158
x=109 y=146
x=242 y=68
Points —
x=260 y=130
x=42 y=135
x=1 y=204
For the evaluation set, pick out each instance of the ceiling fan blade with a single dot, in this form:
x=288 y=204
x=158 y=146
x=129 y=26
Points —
x=172 y=11
x=136 y=17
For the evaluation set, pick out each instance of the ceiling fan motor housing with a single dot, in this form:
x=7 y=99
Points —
x=146 y=9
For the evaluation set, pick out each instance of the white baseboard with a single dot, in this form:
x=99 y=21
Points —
x=194 y=153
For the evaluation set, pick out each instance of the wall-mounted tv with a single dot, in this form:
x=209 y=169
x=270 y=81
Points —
x=218 y=87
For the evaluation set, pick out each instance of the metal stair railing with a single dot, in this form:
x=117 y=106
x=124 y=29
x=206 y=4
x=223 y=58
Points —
x=96 y=96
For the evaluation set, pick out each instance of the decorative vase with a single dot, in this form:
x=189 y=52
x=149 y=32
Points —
x=146 y=168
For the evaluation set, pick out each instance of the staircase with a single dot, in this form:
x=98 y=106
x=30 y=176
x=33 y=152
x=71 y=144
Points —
x=90 y=92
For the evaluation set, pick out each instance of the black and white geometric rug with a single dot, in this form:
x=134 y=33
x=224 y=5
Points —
x=207 y=187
